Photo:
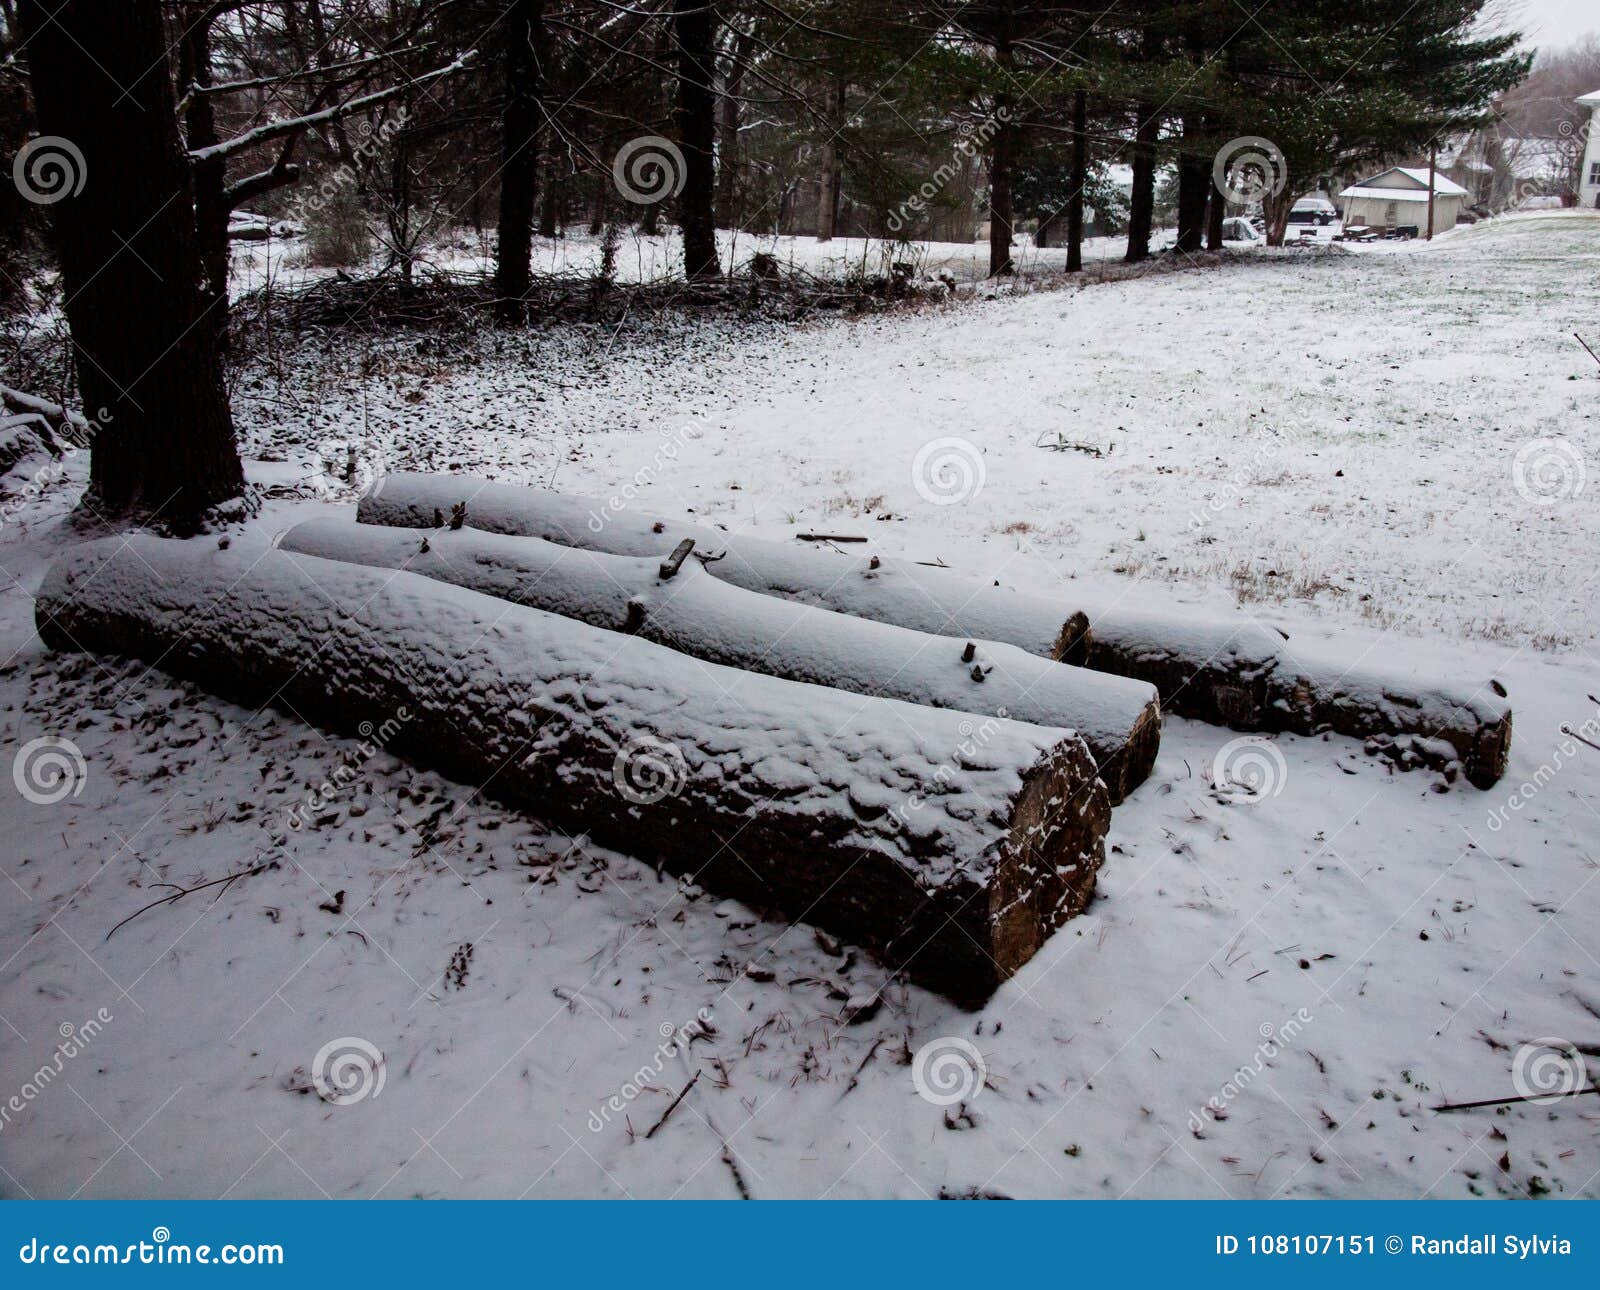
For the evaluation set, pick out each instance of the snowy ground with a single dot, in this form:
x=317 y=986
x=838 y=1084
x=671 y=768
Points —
x=1329 y=439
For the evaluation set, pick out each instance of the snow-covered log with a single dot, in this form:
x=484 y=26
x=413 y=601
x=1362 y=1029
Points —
x=20 y=437
x=695 y=613
x=948 y=851
x=1226 y=669
x=905 y=595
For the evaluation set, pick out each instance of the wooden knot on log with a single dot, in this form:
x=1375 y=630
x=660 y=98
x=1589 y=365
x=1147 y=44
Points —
x=674 y=562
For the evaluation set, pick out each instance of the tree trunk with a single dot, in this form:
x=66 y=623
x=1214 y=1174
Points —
x=948 y=850
x=728 y=194
x=828 y=173
x=519 y=157
x=1142 y=200
x=1216 y=209
x=695 y=27
x=1147 y=130
x=1194 y=178
x=210 y=177
x=1080 y=180
x=1002 y=155
x=599 y=189
x=696 y=613
x=1275 y=206
x=1002 y=160
x=550 y=207
x=143 y=325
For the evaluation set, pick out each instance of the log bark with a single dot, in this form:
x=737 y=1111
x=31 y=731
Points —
x=935 y=601
x=691 y=611
x=1225 y=669
x=892 y=825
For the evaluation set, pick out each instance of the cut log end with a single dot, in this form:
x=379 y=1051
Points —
x=1486 y=758
x=1124 y=769
x=972 y=937
x=1074 y=643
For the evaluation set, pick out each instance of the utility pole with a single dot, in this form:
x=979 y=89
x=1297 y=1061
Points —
x=1433 y=152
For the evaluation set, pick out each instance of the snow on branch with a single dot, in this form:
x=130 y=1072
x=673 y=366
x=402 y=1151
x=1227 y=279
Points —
x=29 y=403
x=277 y=129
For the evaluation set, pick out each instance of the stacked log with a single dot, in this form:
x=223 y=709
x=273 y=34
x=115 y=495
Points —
x=1229 y=670
x=679 y=604
x=948 y=852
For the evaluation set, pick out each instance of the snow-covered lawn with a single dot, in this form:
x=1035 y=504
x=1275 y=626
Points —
x=1335 y=440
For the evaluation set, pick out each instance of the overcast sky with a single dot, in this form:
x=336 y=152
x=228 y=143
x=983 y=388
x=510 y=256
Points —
x=1551 y=24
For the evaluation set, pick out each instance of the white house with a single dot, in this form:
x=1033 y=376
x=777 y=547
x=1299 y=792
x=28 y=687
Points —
x=1589 y=180
x=1398 y=198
